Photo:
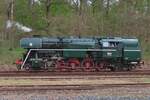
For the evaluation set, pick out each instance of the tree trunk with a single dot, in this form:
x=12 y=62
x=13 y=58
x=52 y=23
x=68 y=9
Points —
x=107 y=7
x=80 y=7
x=48 y=5
x=10 y=17
x=148 y=7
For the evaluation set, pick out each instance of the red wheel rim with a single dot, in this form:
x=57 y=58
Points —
x=73 y=63
x=60 y=64
x=87 y=64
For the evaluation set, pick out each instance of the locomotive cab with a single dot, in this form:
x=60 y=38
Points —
x=111 y=48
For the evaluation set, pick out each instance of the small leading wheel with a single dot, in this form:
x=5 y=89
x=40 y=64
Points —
x=50 y=66
x=27 y=67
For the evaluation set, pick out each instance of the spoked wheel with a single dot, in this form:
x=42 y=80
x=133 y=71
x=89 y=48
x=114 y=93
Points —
x=100 y=66
x=27 y=67
x=60 y=65
x=73 y=64
x=88 y=64
x=50 y=66
x=129 y=68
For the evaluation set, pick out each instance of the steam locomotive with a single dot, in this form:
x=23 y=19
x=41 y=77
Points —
x=79 y=54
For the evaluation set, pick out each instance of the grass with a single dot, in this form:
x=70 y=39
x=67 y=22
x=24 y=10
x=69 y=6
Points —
x=146 y=80
x=146 y=55
x=145 y=46
x=8 y=56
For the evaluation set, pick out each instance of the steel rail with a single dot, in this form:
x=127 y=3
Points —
x=76 y=78
x=69 y=87
x=41 y=73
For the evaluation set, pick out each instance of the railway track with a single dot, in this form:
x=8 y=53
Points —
x=89 y=77
x=69 y=87
x=63 y=76
x=42 y=73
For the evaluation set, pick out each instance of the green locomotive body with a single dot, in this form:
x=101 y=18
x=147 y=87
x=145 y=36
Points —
x=84 y=54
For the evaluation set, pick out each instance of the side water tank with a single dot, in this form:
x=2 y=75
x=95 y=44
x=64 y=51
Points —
x=30 y=43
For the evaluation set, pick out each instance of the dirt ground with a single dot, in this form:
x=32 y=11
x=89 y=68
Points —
x=16 y=81
x=8 y=67
x=121 y=93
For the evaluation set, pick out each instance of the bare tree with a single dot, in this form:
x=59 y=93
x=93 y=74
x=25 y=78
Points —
x=9 y=34
x=10 y=10
x=30 y=3
x=148 y=6
x=48 y=5
x=10 y=17
x=107 y=7
x=80 y=7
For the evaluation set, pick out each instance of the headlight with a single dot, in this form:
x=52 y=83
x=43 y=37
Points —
x=30 y=44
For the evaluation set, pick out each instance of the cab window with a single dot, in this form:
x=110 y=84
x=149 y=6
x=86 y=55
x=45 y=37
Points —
x=110 y=44
x=105 y=44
